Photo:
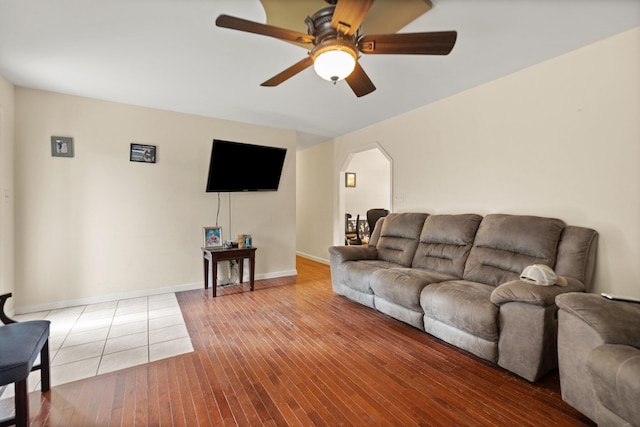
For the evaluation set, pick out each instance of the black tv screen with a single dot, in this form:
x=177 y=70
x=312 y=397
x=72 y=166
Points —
x=236 y=166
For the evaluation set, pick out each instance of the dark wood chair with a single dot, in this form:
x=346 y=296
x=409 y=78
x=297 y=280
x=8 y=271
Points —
x=352 y=234
x=373 y=215
x=20 y=344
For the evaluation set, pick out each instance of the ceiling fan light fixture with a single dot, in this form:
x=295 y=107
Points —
x=336 y=35
x=334 y=64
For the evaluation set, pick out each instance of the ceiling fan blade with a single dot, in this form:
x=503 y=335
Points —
x=360 y=82
x=433 y=43
x=240 y=24
x=349 y=14
x=289 y=72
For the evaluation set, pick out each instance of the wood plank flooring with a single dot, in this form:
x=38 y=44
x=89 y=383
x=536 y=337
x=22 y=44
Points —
x=292 y=353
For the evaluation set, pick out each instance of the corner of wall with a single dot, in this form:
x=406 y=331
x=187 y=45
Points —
x=7 y=145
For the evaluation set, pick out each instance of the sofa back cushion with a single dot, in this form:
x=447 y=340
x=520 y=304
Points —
x=445 y=242
x=374 y=234
x=399 y=236
x=506 y=244
x=577 y=254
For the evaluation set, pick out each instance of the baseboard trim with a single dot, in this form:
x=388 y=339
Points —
x=132 y=294
x=313 y=258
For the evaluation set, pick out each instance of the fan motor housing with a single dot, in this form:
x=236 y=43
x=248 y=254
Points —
x=319 y=26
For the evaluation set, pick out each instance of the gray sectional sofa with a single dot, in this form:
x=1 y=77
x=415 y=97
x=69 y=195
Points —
x=457 y=277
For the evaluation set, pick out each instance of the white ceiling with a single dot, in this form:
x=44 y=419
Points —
x=168 y=54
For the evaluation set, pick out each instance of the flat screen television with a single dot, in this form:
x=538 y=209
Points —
x=236 y=166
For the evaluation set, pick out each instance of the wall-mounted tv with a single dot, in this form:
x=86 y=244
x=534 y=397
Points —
x=236 y=166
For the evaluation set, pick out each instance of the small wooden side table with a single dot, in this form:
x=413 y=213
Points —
x=213 y=255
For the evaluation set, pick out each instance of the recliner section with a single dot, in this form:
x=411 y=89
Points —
x=599 y=357
x=441 y=250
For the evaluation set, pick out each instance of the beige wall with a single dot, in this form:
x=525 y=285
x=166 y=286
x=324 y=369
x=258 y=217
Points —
x=7 y=100
x=314 y=201
x=98 y=226
x=560 y=139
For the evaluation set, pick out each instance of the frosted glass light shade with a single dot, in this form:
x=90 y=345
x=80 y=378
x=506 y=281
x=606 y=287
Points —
x=334 y=65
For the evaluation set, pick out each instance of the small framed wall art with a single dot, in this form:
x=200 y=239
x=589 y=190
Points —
x=350 y=179
x=142 y=153
x=61 y=146
x=212 y=237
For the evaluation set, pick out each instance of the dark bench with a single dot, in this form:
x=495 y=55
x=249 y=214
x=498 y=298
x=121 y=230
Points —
x=20 y=344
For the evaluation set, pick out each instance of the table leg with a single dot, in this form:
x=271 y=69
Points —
x=252 y=267
x=45 y=368
x=214 y=276
x=240 y=270
x=205 y=262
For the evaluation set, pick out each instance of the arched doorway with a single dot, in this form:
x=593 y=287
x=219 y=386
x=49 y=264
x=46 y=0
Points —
x=372 y=169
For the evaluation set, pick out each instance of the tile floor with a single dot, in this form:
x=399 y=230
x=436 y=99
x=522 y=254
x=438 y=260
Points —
x=98 y=338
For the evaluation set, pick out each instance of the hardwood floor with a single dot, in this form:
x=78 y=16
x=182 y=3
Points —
x=294 y=353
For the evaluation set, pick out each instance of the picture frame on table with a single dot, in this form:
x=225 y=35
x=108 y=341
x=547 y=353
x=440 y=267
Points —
x=212 y=237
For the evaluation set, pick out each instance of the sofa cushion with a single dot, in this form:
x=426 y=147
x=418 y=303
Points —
x=463 y=305
x=357 y=274
x=615 y=373
x=505 y=244
x=374 y=234
x=402 y=286
x=445 y=242
x=399 y=236
x=577 y=254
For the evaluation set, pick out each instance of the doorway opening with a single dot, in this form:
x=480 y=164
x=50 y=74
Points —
x=365 y=183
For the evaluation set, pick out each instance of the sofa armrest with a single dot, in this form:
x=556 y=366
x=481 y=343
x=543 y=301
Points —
x=342 y=254
x=588 y=322
x=616 y=322
x=519 y=291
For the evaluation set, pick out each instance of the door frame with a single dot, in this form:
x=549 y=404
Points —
x=339 y=228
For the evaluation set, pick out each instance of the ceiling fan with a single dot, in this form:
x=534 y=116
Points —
x=335 y=33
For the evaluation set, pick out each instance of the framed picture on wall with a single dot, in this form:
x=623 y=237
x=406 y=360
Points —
x=350 y=179
x=212 y=237
x=61 y=146
x=142 y=153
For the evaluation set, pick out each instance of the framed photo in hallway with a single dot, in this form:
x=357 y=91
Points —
x=349 y=179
